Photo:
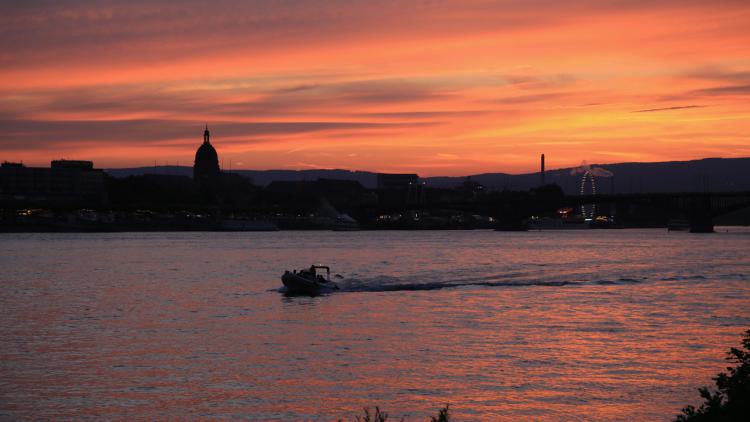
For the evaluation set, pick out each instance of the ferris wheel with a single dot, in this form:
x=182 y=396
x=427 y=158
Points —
x=588 y=210
x=588 y=185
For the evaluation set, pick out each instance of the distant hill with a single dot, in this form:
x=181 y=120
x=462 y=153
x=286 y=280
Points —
x=710 y=174
x=259 y=177
x=264 y=177
x=140 y=171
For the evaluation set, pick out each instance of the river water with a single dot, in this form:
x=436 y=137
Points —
x=578 y=325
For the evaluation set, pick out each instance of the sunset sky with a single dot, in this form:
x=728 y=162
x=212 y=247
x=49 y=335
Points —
x=432 y=87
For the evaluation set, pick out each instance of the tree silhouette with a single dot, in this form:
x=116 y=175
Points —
x=731 y=400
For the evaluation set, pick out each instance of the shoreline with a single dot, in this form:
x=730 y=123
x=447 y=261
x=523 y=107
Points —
x=6 y=230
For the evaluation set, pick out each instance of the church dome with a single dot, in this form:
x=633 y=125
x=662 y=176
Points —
x=206 y=160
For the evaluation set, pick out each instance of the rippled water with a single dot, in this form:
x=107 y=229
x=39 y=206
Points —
x=596 y=325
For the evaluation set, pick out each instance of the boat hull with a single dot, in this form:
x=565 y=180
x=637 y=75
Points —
x=296 y=284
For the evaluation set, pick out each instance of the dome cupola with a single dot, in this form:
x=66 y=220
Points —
x=206 y=160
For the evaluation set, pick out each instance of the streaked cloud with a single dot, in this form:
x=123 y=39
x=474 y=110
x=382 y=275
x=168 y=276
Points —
x=46 y=133
x=651 y=110
x=374 y=85
x=743 y=90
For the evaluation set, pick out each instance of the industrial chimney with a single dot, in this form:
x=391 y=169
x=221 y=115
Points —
x=542 y=169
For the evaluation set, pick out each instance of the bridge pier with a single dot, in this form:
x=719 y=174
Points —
x=701 y=220
x=703 y=225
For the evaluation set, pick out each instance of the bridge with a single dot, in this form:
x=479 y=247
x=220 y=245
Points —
x=697 y=208
x=511 y=209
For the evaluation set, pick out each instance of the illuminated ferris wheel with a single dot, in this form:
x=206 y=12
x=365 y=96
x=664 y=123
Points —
x=588 y=210
x=588 y=185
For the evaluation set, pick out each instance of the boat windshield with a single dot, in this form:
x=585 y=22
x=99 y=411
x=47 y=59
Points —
x=313 y=271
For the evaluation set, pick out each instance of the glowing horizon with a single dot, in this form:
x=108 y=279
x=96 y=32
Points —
x=435 y=88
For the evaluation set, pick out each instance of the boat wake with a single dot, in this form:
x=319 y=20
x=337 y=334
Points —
x=393 y=284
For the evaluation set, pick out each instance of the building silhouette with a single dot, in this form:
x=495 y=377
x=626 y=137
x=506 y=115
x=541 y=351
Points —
x=65 y=181
x=206 y=167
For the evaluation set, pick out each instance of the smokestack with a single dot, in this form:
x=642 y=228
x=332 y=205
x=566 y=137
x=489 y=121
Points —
x=542 y=169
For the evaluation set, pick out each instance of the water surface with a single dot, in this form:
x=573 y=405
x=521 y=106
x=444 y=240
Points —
x=596 y=325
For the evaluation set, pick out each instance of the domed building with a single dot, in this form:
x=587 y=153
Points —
x=206 y=167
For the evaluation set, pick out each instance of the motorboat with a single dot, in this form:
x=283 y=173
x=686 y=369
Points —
x=309 y=281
